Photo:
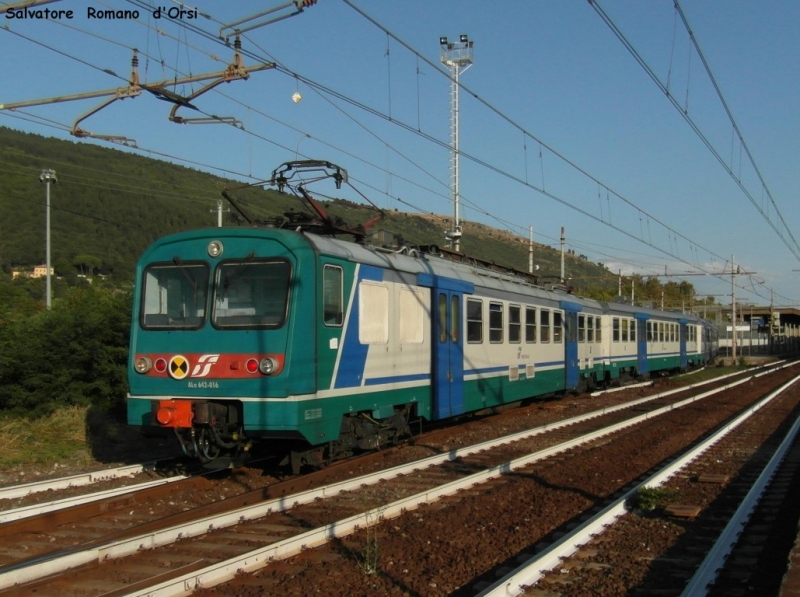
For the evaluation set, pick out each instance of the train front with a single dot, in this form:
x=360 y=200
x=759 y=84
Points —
x=212 y=355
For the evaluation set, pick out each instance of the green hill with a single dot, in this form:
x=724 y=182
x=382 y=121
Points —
x=109 y=205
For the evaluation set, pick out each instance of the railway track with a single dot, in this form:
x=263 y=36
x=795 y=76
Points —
x=89 y=478
x=710 y=480
x=191 y=560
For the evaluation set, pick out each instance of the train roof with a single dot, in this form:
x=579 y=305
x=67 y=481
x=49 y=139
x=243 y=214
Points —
x=415 y=262
x=632 y=311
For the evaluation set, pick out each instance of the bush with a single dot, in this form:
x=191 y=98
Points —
x=73 y=355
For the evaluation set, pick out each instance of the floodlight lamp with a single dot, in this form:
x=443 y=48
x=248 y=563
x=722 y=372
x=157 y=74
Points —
x=442 y=41
x=463 y=38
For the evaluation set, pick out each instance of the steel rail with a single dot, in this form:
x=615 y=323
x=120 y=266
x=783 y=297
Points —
x=37 y=509
x=16 y=491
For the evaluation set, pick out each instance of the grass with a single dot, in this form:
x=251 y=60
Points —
x=55 y=438
x=79 y=436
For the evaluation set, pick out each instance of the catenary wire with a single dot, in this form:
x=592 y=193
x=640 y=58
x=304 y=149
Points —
x=499 y=171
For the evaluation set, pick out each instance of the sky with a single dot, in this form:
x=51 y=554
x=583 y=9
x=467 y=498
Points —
x=600 y=117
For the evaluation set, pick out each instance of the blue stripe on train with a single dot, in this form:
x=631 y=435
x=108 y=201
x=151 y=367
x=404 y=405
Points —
x=375 y=381
x=354 y=354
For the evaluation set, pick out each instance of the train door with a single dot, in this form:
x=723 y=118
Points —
x=448 y=355
x=683 y=336
x=571 y=364
x=448 y=344
x=641 y=345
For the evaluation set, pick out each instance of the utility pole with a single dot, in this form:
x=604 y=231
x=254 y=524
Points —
x=456 y=56
x=530 y=249
x=771 y=317
x=562 y=255
x=735 y=271
x=219 y=211
x=47 y=177
x=733 y=314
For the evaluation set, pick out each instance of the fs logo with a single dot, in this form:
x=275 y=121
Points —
x=203 y=366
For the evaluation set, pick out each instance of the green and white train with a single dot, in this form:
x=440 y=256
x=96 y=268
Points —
x=326 y=346
x=318 y=347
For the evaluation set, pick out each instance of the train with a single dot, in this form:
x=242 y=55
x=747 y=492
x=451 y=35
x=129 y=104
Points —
x=320 y=346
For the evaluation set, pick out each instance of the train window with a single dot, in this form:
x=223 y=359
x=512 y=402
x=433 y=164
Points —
x=442 y=318
x=514 y=324
x=373 y=313
x=495 y=322
x=590 y=329
x=557 y=326
x=674 y=336
x=332 y=295
x=251 y=294
x=581 y=328
x=174 y=296
x=474 y=321
x=624 y=330
x=411 y=316
x=544 y=321
x=530 y=325
x=633 y=330
x=455 y=319
x=649 y=331
x=598 y=334
x=660 y=331
x=615 y=329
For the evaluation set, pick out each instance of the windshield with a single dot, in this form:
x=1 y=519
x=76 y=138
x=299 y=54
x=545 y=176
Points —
x=174 y=296
x=251 y=294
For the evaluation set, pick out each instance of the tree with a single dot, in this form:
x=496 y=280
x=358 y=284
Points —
x=87 y=264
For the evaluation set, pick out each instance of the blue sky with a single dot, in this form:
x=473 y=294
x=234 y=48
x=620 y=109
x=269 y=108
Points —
x=559 y=124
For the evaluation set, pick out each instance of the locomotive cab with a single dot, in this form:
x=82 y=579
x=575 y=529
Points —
x=211 y=333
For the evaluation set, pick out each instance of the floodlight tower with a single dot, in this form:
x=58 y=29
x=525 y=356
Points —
x=457 y=57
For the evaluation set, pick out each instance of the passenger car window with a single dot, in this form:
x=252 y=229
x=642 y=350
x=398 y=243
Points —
x=495 y=322
x=474 y=321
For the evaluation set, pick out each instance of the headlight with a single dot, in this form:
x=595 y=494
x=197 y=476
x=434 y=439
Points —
x=215 y=248
x=143 y=364
x=268 y=366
